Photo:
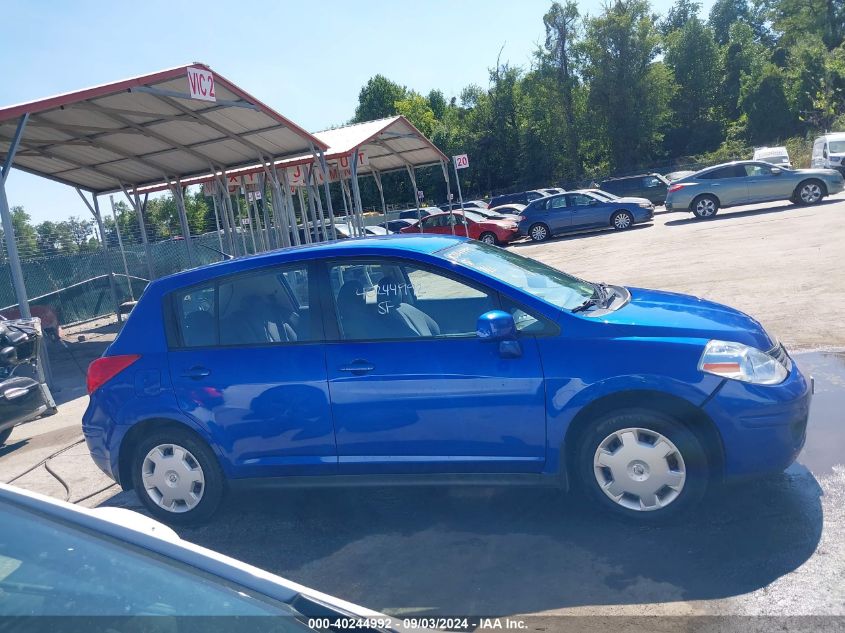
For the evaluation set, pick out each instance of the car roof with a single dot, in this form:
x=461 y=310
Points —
x=627 y=177
x=388 y=244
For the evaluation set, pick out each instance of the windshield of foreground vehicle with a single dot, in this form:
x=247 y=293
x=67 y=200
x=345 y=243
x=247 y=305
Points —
x=544 y=282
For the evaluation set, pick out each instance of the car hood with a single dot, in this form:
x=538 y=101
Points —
x=817 y=172
x=631 y=200
x=654 y=313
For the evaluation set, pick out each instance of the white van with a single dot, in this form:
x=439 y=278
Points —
x=774 y=155
x=829 y=152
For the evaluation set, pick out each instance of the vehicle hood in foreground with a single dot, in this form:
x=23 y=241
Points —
x=654 y=313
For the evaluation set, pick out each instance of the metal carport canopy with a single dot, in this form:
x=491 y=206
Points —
x=148 y=130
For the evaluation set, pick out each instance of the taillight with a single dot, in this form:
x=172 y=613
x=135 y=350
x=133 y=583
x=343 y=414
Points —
x=676 y=187
x=104 y=369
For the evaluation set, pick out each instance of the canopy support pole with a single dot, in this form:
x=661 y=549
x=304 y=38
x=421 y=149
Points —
x=269 y=238
x=313 y=190
x=356 y=190
x=321 y=156
x=217 y=220
x=290 y=209
x=304 y=214
x=460 y=197
x=8 y=227
x=220 y=191
x=95 y=211
x=448 y=195
x=122 y=252
x=280 y=213
x=413 y=178
x=135 y=203
x=380 y=187
x=183 y=219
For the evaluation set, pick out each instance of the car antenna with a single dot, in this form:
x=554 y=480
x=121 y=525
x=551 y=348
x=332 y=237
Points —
x=226 y=256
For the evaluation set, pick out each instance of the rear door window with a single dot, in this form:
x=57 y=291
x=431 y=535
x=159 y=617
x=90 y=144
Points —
x=196 y=315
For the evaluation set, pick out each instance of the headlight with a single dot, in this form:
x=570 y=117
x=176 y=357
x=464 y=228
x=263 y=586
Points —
x=645 y=205
x=741 y=362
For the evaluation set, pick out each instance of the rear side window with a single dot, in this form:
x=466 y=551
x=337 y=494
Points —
x=264 y=307
x=651 y=182
x=196 y=316
x=731 y=171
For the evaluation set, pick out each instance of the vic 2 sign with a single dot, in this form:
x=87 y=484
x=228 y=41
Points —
x=201 y=84
x=461 y=161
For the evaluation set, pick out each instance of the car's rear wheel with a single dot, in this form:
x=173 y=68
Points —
x=4 y=435
x=705 y=206
x=809 y=192
x=642 y=465
x=488 y=238
x=539 y=232
x=622 y=220
x=177 y=477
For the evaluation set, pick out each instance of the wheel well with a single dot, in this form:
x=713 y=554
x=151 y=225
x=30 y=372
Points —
x=684 y=412
x=135 y=435
x=701 y=195
x=806 y=180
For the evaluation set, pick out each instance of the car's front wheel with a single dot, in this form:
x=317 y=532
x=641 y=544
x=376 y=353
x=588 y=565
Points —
x=622 y=220
x=539 y=232
x=177 y=477
x=488 y=238
x=809 y=192
x=4 y=435
x=705 y=206
x=643 y=465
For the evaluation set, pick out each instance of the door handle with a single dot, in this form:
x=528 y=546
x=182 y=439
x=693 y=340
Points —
x=358 y=367
x=196 y=372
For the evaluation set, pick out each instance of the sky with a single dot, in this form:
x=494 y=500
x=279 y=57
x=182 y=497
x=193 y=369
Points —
x=307 y=60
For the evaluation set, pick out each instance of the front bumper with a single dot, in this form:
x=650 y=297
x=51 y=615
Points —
x=763 y=428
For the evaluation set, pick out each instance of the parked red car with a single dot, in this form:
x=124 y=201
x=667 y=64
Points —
x=479 y=227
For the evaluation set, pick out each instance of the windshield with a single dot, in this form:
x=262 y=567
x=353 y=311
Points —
x=836 y=147
x=544 y=282
x=475 y=217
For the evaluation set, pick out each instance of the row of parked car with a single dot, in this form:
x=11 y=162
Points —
x=621 y=203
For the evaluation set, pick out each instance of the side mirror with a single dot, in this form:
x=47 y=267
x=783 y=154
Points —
x=776 y=171
x=495 y=325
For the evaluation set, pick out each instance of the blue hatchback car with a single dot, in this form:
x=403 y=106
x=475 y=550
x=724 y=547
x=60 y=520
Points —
x=434 y=359
x=579 y=211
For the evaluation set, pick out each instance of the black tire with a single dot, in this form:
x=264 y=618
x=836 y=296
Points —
x=705 y=206
x=539 y=232
x=694 y=465
x=809 y=192
x=4 y=435
x=622 y=220
x=488 y=238
x=214 y=486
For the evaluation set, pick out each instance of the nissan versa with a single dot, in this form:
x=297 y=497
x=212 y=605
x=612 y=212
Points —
x=434 y=359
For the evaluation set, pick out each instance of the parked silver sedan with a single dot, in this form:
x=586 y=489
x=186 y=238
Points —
x=749 y=182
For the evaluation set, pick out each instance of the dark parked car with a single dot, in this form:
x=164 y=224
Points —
x=24 y=395
x=394 y=226
x=523 y=197
x=650 y=186
x=416 y=214
x=431 y=358
x=112 y=569
x=579 y=211
x=468 y=204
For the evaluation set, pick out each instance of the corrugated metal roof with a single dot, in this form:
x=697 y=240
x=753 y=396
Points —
x=146 y=131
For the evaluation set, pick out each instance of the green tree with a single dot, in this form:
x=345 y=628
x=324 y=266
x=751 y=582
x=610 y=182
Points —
x=378 y=99
x=562 y=22
x=695 y=60
x=796 y=20
x=766 y=107
x=678 y=15
x=417 y=109
x=725 y=13
x=629 y=92
x=742 y=56
x=26 y=237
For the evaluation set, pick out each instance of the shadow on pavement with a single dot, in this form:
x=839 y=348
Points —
x=730 y=214
x=476 y=551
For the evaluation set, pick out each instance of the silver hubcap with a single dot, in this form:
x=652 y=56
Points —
x=705 y=207
x=488 y=239
x=538 y=233
x=622 y=221
x=173 y=478
x=811 y=192
x=639 y=469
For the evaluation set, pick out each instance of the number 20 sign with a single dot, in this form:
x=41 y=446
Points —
x=461 y=161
